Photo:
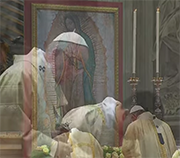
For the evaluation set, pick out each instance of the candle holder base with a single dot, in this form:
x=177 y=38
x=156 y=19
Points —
x=157 y=83
x=134 y=82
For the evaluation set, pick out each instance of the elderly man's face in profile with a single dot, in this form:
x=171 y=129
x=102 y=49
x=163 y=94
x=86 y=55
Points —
x=123 y=117
x=120 y=114
x=127 y=121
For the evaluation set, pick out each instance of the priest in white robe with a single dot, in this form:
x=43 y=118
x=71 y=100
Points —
x=31 y=95
x=103 y=120
x=147 y=137
x=84 y=144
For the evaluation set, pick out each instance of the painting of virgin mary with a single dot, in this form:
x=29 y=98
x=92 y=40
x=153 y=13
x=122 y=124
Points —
x=89 y=77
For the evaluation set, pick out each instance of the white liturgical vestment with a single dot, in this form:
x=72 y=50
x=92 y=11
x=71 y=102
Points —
x=142 y=139
x=29 y=101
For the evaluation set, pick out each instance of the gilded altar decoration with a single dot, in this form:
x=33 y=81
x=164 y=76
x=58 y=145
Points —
x=157 y=84
x=134 y=82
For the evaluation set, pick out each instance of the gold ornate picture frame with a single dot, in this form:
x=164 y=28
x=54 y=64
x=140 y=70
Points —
x=100 y=22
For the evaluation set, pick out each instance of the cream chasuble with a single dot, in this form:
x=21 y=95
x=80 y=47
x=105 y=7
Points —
x=84 y=145
x=141 y=139
x=16 y=100
x=99 y=120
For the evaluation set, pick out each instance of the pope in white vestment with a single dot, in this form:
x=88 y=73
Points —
x=147 y=137
x=103 y=120
x=31 y=97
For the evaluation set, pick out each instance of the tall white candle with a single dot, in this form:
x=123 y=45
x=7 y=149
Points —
x=134 y=41
x=157 y=40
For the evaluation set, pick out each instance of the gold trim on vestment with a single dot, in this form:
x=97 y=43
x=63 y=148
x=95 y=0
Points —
x=90 y=145
x=163 y=150
x=100 y=112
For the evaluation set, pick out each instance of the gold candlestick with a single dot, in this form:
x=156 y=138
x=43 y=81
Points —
x=134 y=82
x=157 y=83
